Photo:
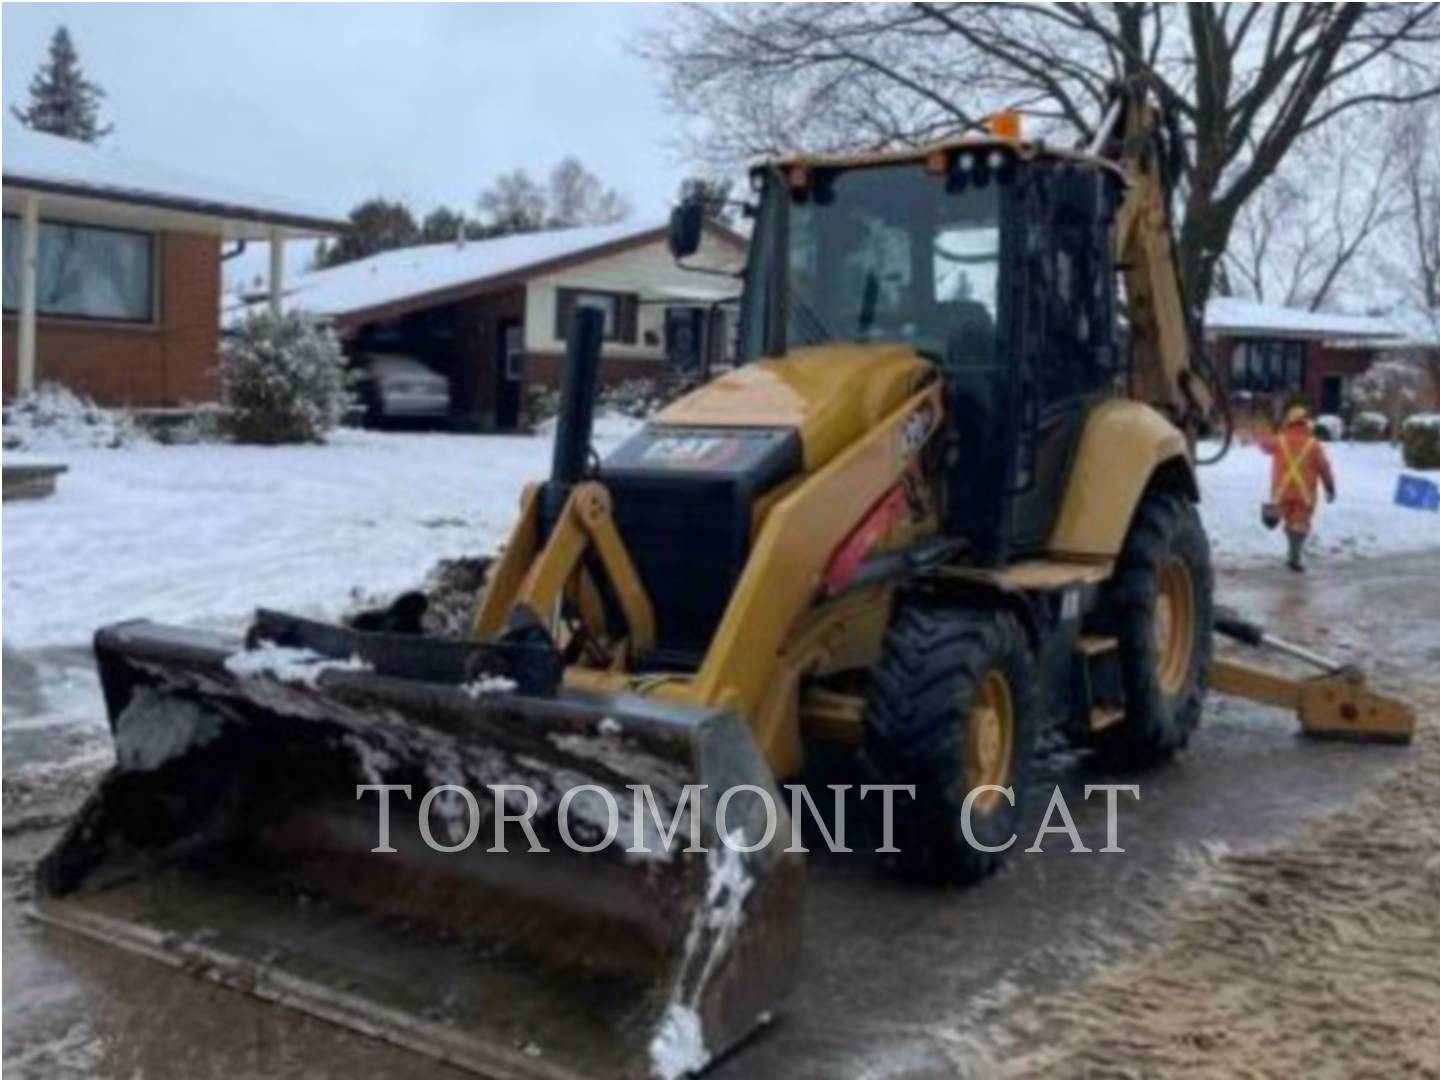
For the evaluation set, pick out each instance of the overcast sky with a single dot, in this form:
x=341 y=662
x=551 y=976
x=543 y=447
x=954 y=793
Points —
x=333 y=103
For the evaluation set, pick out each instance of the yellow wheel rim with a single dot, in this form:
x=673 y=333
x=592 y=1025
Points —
x=989 y=738
x=1174 y=624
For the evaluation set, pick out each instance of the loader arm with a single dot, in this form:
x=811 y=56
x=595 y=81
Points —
x=531 y=577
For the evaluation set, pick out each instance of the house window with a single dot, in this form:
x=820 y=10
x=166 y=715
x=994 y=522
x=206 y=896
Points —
x=1267 y=366
x=619 y=310
x=85 y=272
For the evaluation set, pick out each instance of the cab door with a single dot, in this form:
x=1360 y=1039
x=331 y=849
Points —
x=1065 y=336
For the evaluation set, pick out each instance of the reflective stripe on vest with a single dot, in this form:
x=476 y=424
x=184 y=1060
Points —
x=1293 y=464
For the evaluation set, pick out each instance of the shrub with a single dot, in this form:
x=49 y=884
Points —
x=541 y=404
x=1369 y=427
x=283 y=378
x=1329 y=428
x=1420 y=441
x=54 y=418
x=634 y=398
x=1395 y=389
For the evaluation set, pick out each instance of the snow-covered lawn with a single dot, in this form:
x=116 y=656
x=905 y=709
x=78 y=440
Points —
x=202 y=534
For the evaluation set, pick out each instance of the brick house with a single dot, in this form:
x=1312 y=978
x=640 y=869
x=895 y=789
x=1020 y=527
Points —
x=492 y=314
x=1271 y=356
x=112 y=269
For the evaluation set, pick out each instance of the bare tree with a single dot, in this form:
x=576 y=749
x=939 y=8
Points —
x=515 y=203
x=1244 y=81
x=1417 y=152
x=1409 y=261
x=1396 y=388
x=518 y=203
x=1299 y=238
x=578 y=197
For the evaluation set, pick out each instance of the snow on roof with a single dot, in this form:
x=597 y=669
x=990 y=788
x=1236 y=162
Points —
x=394 y=277
x=1230 y=315
x=33 y=159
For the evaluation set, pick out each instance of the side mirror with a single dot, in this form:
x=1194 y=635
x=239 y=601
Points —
x=687 y=222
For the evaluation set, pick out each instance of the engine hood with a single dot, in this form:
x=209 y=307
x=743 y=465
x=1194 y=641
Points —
x=830 y=394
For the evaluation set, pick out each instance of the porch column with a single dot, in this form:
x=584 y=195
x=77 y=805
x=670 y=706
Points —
x=29 y=268
x=277 y=270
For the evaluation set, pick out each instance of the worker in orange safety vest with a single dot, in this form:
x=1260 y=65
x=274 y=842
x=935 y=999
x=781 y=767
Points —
x=1298 y=467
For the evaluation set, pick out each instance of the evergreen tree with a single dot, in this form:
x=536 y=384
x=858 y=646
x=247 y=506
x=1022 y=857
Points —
x=375 y=225
x=62 y=100
x=443 y=224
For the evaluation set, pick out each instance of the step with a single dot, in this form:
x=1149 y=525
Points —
x=1104 y=716
x=1095 y=644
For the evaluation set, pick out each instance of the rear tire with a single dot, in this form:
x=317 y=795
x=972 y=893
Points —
x=953 y=703
x=1160 y=607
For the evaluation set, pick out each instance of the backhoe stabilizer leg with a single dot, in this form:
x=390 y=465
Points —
x=1336 y=705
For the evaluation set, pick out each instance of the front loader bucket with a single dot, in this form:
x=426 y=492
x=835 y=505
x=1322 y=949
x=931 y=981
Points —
x=231 y=839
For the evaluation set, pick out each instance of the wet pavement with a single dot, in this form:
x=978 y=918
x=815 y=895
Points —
x=899 y=981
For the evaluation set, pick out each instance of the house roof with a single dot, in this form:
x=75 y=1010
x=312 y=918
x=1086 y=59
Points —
x=1234 y=317
x=82 y=174
x=413 y=277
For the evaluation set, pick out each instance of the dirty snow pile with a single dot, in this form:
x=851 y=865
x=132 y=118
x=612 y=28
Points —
x=53 y=419
x=1362 y=522
x=1325 y=949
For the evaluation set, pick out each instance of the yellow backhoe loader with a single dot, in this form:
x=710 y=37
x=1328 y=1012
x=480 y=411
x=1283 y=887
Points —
x=939 y=505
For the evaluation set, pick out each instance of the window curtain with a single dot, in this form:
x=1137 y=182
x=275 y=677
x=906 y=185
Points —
x=84 y=272
x=95 y=273
x=12 y=263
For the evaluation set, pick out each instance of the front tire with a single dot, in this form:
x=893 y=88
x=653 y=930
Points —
x=953 y=704
x=1160 y=607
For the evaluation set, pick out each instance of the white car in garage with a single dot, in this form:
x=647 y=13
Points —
x=395 y=387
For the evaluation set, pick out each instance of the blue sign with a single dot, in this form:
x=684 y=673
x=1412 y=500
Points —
x=1417 y=493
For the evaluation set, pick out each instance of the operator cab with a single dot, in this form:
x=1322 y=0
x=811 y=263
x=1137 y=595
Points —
x=991 y=258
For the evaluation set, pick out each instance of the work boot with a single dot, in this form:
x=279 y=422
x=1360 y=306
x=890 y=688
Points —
x=1297 y=547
